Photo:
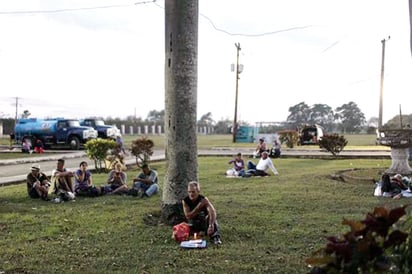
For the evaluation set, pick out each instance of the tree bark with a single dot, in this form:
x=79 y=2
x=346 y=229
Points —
x=181 y=38
x=410 y=23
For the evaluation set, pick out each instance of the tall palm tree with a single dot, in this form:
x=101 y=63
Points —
x=181 y=33
x=410 y=21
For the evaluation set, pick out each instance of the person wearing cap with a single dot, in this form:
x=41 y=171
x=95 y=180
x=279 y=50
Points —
x=260 y=169
x=37 y=183
x=62 y=179
x=146 y=182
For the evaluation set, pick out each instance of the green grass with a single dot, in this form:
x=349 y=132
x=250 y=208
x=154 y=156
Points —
x=14 y=155
x=268 y=225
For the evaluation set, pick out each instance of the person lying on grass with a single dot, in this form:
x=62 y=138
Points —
x=200 y=213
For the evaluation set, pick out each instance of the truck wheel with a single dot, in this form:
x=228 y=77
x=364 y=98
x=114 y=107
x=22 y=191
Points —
x=74 y=143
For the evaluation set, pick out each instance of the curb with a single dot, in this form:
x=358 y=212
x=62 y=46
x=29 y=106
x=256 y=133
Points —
x=226 y=152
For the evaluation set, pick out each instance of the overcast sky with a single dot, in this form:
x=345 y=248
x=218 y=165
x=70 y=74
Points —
x=56 y=55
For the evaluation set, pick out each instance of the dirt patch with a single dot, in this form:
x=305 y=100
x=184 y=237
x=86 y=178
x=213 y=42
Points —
x=359 y=175
x=152 y=219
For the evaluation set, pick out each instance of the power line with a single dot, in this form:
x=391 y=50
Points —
x=247 y=34
x=152 y=2
x=73 y=9
x=253 y=34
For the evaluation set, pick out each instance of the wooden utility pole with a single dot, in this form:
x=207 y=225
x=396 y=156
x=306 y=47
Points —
x=16 y=115
x=381 y=86
x=234 y=128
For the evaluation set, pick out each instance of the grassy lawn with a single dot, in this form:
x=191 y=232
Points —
x=268 y=225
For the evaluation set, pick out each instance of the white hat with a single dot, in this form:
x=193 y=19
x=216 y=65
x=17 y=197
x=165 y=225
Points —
x=398 y=177
x=35 y=167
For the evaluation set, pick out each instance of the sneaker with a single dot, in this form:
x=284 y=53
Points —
x=140 y=193
x=216 y=240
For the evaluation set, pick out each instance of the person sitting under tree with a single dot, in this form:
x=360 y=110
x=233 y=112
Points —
x=200 y=213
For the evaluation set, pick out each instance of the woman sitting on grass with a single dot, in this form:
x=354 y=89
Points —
x=117 y=181
x=83 y=182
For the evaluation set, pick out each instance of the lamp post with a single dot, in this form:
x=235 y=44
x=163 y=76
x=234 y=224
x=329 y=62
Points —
x=236 y=94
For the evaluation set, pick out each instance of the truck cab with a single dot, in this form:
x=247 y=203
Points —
x=310 y=134
x=104 y=131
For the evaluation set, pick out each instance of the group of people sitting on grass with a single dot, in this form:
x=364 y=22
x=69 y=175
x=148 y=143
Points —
x=62 y=187
x=199 y=212
x=259 y=169
x=394 y=187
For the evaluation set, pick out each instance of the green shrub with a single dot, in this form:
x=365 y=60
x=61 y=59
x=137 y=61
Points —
x=334 y=143
x=142 y=149
x=289 y=137
x=98 y=150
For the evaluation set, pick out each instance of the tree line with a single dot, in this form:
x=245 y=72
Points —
x=347 y=118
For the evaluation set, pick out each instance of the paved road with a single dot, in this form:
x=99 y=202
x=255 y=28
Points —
x=15 y=170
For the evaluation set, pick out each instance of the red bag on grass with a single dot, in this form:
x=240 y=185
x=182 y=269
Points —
x=181 y=232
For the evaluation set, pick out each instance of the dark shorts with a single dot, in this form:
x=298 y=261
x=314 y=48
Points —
x=33 y=193
x=88 y=192
x=111 y=187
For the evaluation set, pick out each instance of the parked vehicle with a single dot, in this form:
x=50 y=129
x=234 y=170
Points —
x=57 y=132
x=310 y=134
x=104 y=131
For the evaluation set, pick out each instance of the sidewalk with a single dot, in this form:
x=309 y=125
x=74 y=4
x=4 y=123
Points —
x=14 y=171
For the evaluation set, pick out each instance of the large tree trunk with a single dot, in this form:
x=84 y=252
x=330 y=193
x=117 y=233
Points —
x=410 y=22
x=181 y=19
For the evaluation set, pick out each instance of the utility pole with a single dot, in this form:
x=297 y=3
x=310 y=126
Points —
x=237 y=85
x=15 y=117
x=381 y=87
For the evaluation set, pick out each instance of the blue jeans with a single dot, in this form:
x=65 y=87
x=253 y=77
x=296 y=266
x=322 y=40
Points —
x=149 y=190
x=253 y=171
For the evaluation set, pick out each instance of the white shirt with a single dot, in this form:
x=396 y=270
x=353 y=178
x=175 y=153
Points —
x=264 y=164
